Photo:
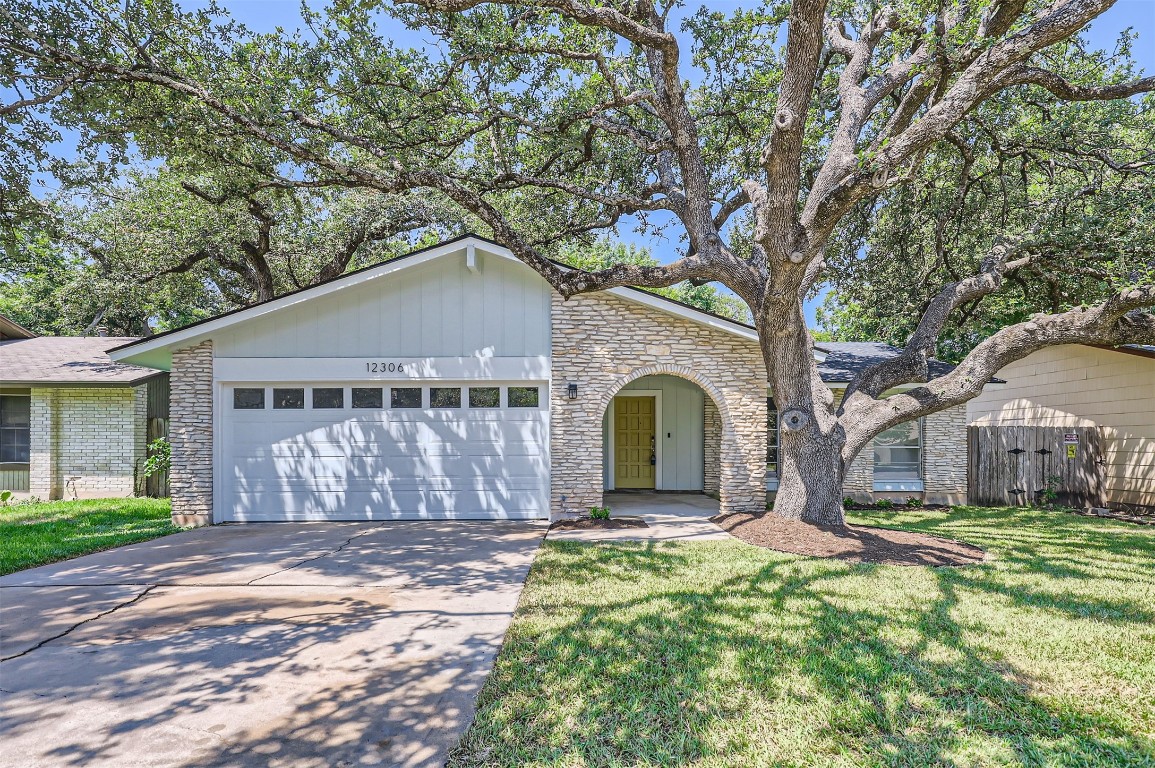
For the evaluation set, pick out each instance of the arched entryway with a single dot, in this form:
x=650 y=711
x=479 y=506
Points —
x=661 y=432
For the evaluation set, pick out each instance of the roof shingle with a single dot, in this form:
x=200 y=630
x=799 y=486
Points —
x=67 y=361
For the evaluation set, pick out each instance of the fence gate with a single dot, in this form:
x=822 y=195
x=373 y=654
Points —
x=1015 y=466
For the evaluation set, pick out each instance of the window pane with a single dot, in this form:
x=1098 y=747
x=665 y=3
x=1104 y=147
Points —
x=898 y=452
x=485 y=397
x=368 y=397
x=289 y=399
x=445 y=397
x=247 y=398
x=328 y=397
x=14 y=445
x=523 y=397
x=405 y=397
x=15 y=411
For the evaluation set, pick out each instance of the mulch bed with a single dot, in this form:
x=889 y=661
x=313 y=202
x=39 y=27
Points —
x=589 y=523
x=854 y=543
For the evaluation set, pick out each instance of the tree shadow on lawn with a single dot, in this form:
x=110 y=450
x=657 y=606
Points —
x=769 y=659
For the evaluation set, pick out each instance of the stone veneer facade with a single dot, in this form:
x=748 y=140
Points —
x=190 y=432
x=86 y=442
x=601 y=343
x=711 y=448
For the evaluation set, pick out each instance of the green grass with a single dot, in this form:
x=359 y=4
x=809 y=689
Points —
x=724 y=654
x=35 y=534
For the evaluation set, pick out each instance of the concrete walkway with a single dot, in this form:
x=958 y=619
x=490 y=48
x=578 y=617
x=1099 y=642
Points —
x=671 y=517
x=278 y=644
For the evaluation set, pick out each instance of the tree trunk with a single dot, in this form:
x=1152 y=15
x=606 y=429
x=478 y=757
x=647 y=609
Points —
x=811 y=474
x=810 y=469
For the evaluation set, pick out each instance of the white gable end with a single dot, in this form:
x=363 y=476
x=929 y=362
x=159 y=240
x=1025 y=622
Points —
x=437 y=309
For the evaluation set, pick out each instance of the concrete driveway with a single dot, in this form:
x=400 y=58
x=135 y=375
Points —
x=277 y=644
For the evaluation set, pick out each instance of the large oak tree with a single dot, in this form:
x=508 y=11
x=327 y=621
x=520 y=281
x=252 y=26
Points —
x=578 y=115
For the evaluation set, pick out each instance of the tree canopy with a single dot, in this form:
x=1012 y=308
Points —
x=820 y=140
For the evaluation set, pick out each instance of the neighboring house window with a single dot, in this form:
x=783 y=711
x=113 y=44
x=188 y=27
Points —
x=898 y=453
x=15 y=433
x=771 y=437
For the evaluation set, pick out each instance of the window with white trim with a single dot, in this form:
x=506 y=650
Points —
x=898 y=452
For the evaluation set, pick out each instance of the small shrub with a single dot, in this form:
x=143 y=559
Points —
x=848 y=501
x=884 y=504
x=600 y=513
x=4 y=498
x=1048 y=495
x=159 y=457
x=913 y=501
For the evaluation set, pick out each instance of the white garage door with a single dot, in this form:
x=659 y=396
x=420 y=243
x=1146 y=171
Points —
x=305 y=451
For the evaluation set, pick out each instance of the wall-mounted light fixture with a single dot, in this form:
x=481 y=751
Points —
x=571 y=391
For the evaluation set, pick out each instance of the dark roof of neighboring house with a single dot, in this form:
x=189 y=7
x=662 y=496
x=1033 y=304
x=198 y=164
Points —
x=1144 y=350
x=10 y=329
x=67 y=361
x=845 y=359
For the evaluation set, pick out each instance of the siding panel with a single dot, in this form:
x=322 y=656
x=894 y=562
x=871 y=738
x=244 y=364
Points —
x=437 y=310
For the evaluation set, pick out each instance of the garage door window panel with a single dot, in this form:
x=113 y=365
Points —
x=289 y=399
x=485 y=397
x=445 y=397
x=368 y=397
x=328 y=397
x=405 y=397
x=523 y=397
x=249 y=398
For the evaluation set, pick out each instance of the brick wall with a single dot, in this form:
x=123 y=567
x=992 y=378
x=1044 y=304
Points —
x=191 y=435
x=86 y=442
x=601 y=343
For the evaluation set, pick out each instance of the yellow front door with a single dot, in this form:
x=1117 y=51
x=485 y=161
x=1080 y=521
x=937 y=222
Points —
x=634 y=442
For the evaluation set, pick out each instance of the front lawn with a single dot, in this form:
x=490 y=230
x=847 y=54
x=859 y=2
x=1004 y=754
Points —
x=724 y=654
x=35 y=534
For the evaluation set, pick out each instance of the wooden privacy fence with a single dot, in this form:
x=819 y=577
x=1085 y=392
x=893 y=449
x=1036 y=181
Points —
x=1015 y=466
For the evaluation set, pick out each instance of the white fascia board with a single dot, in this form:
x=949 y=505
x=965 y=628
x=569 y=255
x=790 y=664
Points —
x=195 y=334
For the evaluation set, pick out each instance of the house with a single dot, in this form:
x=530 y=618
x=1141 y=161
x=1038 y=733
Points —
x=1075 y=385
x=73 y=423
x=454 y=383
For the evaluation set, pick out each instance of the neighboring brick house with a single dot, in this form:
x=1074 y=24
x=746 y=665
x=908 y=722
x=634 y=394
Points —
x=73 y=423
x=454 y=383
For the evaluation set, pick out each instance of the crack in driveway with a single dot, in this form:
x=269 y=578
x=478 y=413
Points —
x=79 y=624
x=348 y=541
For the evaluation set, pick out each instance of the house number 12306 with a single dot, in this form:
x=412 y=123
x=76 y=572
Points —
x=385 y=367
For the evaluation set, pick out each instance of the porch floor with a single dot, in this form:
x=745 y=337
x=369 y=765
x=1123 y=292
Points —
x=671 y=517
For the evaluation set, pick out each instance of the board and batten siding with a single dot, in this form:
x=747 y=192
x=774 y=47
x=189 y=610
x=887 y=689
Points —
x=440 y=309
x=682 y=408
x=1080 y=386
